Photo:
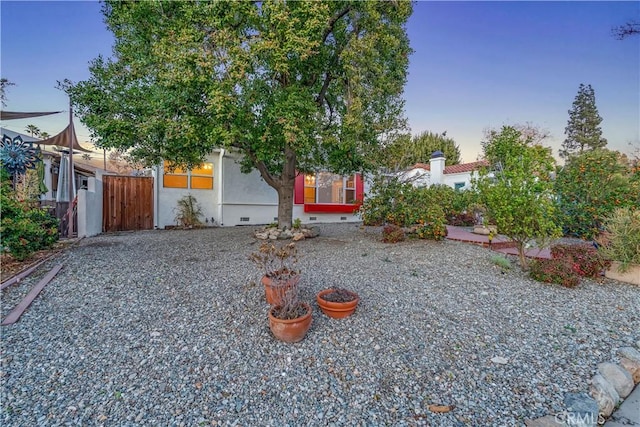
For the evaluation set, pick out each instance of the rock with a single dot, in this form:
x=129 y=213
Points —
x=298 y=236
x=262 y=235
x=581 y=410
x=548 y=421
x=618 y=377
x=605 y=395
x=310 y=232
x=286 y=234
x=630 y=353
x=632 y=367
x=500 y=360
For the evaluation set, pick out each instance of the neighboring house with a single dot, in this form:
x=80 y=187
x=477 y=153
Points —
x=229 y=197
x=436 y=172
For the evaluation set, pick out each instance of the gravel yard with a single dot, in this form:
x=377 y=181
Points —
x=167 y=328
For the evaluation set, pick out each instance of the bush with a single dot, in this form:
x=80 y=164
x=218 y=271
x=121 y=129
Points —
x=461 y=219
x=621 y=240
x=392 y=234
x=23 y=229
x=558 y=271
x=432 y=225
x=585 y=259
x=590 y=187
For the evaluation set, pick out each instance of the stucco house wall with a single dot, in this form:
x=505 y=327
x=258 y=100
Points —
x=236 y=198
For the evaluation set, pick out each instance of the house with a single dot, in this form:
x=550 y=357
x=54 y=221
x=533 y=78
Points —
x=436 y=172
x=229 y=197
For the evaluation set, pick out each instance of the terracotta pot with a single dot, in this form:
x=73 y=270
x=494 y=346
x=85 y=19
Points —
x=274 y=293
x=292 y=330
x=336 y=310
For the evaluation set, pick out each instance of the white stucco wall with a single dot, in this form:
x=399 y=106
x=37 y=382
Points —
x=167 y=198
x=90 y=208
x=451 y=179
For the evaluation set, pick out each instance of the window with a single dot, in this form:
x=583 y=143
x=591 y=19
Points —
x=325 y=187
x=459 y=185
x=199 y=178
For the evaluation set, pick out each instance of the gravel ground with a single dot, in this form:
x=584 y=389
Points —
x=167 y=328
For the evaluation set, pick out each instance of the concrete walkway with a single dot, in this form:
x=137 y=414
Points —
x=628 y=414
x=499 y=243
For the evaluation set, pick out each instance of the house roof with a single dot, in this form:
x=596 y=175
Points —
x=461 y=168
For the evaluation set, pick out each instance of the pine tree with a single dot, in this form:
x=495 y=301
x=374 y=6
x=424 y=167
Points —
x=583 y=128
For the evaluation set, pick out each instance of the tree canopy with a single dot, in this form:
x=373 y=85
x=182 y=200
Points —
x=406 y=150
x=517 y=190
x=293 y=86
x=583 y=128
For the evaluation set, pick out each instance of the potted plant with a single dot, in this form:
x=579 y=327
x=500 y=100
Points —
x=337 y=303
x=621 y=244
x=278 y=265
x=290 y=320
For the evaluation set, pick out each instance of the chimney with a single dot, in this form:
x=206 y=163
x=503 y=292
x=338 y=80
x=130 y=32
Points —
x=436 y=166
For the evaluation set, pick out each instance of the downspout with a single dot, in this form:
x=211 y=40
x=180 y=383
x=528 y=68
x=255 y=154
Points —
x=220 y=188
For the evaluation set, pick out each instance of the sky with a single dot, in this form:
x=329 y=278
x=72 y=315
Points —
x=476 y=65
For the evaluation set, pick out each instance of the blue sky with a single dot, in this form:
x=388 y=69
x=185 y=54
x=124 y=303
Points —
x=476 y=65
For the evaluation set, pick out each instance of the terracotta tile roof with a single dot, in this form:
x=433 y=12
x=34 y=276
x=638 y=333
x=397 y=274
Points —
x=461 y=168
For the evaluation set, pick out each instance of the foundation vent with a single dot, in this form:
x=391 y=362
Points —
x=244 y=219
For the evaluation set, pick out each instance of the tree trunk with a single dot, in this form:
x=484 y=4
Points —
x=285 y=205
x=521 y=254
x=285 y=189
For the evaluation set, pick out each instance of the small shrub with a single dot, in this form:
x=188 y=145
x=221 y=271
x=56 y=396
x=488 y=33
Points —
x=297 y=224
x=621 y=240
x=463 y=219
x=24 y=229
x=585 y=260
x=432 y=225
x=501 y=262
x=188 y=212
x=558 y=271
x=392 y=234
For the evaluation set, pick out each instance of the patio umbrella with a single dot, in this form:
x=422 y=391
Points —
x=63 y=180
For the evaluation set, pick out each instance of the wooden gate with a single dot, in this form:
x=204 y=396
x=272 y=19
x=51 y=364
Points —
x=127 y=203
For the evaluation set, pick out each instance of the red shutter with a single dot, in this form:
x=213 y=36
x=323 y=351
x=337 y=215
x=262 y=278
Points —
x=359 y=188
x=298 y=189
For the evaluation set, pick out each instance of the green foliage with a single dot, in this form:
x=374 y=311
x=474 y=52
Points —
x=584 y=258
x=621 y=240
x=558 y=271
x=293 y=86
x=432 y=224
x=406 y=151
x=583 y=128
x=392 y=234
x=188 y=212
x=24 y=229
x=297 y=224
x=395 y=202
x=518 y=196
x=501 y=262
x=590 y=187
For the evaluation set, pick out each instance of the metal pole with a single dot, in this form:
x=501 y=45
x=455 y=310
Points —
x=71 y=177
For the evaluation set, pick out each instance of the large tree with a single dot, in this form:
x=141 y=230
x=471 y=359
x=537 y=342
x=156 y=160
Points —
x=583 y=128
x=295 y=86
x=517 y=189
x=406 y=150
